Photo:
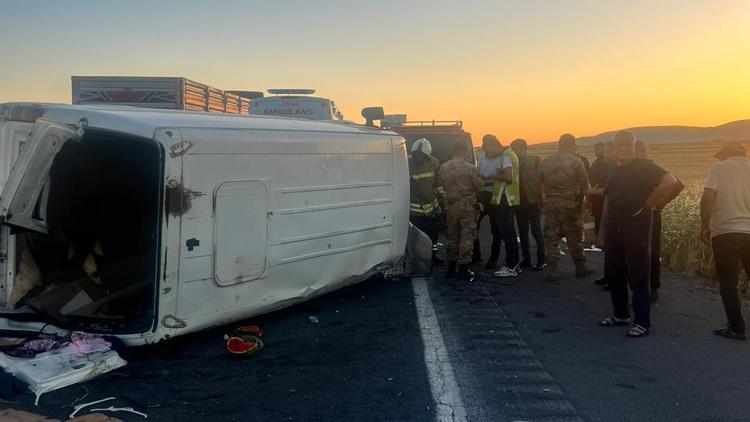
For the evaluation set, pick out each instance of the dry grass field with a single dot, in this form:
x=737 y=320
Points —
x=681 y=249
x=688 y=161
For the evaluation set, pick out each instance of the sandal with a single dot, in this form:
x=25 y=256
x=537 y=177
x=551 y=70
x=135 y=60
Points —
x=614 y=321
x=728 y=333
x=638 y=331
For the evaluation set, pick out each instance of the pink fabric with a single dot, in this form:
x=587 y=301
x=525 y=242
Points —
x=41 y=345
x=85 y=344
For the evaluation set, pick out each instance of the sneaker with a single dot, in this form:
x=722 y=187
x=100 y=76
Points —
x=518 y=269
x=539 y=267
x=600 y=282
x=505 y=272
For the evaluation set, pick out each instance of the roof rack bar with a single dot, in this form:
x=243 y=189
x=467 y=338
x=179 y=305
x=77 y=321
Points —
x=458 y=123
x=291 y=91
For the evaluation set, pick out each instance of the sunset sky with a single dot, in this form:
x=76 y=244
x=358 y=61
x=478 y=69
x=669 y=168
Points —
x=532 y=68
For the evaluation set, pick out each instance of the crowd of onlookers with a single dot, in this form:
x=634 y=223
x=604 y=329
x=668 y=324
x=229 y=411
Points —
x=524 y=196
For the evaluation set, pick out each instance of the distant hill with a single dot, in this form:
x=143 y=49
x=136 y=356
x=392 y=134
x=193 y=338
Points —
x=733 y=131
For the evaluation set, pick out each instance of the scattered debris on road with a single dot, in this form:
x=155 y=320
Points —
x=50 y=363
x=12 y=415
x=80 y=407
x=251 y=329
x=246 y=341
x=120 y=409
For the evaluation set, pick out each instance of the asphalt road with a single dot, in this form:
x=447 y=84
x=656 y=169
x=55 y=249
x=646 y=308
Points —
x=435 y=349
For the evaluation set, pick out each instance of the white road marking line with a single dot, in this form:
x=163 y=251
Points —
x=443 y=383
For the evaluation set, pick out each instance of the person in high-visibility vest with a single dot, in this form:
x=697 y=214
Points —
x=506 y=194
x=423 y=176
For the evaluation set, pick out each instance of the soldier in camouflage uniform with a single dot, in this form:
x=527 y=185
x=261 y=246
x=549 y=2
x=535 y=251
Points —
x=565 y=182
x=462 y=185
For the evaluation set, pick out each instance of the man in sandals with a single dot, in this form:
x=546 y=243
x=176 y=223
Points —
x=635 y=187
x=725 y=223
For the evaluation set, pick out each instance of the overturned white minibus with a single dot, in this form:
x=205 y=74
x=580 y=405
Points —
x=148 y=224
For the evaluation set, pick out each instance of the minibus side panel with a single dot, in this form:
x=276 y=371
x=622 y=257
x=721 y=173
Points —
x=329 y=217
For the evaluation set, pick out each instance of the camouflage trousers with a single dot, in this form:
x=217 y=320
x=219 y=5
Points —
x=567 y=222
x=462 y=228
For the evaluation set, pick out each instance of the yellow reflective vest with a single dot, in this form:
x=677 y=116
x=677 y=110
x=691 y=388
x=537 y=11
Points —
x=511 y=189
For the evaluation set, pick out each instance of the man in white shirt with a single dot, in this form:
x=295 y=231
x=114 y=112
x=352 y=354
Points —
x=725 y=223
x=489 y=169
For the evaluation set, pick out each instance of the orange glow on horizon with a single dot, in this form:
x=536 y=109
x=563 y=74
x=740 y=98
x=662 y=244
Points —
x=533 y=70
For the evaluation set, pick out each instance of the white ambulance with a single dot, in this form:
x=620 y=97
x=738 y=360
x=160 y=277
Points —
x=296 y=104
